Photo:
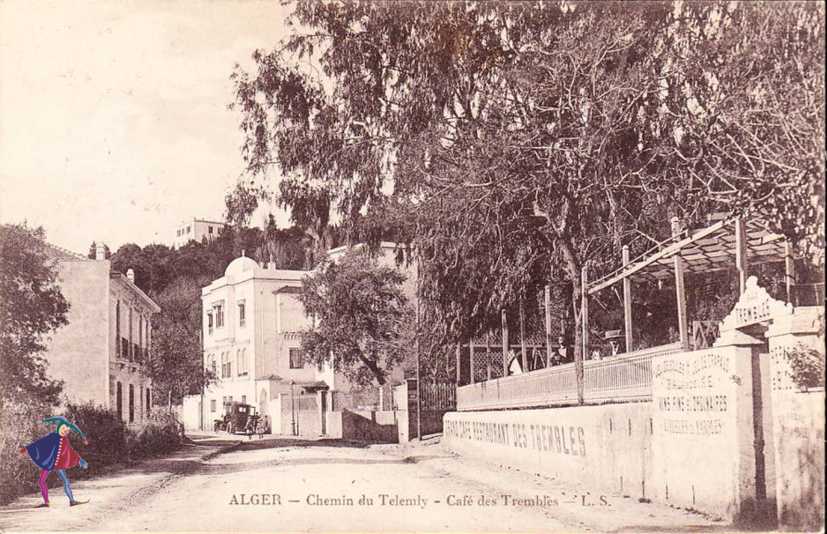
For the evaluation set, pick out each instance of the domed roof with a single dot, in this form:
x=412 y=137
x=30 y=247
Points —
x=240 y=265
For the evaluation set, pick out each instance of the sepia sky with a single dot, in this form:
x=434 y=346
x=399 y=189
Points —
x=113 y=115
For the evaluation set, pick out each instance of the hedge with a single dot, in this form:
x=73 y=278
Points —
x=110 y=442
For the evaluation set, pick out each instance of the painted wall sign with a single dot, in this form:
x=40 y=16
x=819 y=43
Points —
x=559 y=439
x=754 y=306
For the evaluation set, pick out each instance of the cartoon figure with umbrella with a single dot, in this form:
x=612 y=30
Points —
x=54 y=452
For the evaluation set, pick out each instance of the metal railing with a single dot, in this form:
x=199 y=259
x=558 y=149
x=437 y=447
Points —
x=622 y=378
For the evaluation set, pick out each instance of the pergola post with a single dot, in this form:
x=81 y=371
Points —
x=741 y=262
x=471 y=358
x=584 y=312
x=547 y=301
x=680 y=289
x=789 y=270
x=459 y=362
x=504 y=322
x=524 y=354
x=488 y=356
x=627 y=302
x=584 y=321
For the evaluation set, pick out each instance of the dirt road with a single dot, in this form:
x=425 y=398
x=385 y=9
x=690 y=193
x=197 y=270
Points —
x=289 y=485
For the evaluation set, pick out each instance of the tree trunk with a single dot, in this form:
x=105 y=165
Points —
x=573 y=268
x=378 y=373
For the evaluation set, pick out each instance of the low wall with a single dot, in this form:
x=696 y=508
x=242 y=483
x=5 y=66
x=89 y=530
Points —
x=375 y=426
x=799 y=449
x=693 y=446
x=302 y=411
x=604 y=447
x=191 y=412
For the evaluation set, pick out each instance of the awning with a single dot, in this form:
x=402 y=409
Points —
x=706 y=250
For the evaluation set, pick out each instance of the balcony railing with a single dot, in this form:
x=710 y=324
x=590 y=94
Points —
x=622 y=378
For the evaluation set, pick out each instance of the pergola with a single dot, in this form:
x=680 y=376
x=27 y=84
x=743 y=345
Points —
x=741 y=241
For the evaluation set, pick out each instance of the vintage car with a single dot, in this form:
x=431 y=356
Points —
x=235 y=418
x=242 y=418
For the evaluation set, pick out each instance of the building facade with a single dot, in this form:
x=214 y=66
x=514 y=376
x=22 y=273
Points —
x=196 y=230
x=102 y=354
x=252 y=323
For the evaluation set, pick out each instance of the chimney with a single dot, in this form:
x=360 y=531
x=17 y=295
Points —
x=131 y=275
x=100 y=251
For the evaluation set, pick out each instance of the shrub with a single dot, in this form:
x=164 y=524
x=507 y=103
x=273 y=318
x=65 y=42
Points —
x=110 y=442
x=806 y=367
x=153 y=440
x=106 y=434
x=807 y=364
x=21 y=424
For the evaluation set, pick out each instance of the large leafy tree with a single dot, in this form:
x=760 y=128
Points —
x=176 y=365
x=31 y=307
x=515 y=139
x=363 y=323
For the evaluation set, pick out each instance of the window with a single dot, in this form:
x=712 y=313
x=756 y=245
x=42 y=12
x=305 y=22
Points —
x=209 y=229
x=218 y=310
x=189 y=229
x=241 y=314
x=212 y=405
x=119 y=400
x=241 y=364
x=212 y=365
x=226 y=365
x=209 y=322
x=148 y=405
x=131 y=403
x=296 y=359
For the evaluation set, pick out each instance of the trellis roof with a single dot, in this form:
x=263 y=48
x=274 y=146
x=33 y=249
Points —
x=706 y=250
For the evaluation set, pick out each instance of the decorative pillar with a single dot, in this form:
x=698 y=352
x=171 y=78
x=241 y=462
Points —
x=711 y=409
x=797 y=418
